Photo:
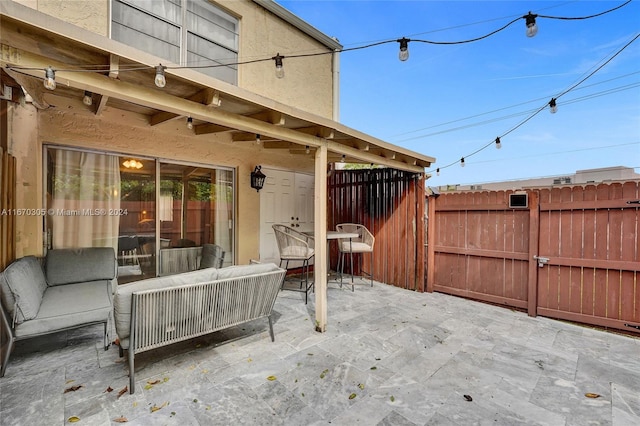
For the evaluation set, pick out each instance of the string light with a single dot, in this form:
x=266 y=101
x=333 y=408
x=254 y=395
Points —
x=307 y=150
x=50 y=79
x=552 y=103
x=189 y=123
x=498 y=143
x=403 y=55
x=160 y=79
x=279 y=69
x=342 y=159
x=88 y=98
x=438 y=171
x=532 y=27
x=258 y=141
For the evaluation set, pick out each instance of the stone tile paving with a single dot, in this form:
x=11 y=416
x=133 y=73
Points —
x=389 y=357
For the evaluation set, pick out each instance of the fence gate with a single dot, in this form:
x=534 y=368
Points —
x=571 y=253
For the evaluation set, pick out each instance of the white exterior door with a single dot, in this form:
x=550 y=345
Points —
x=286 y=198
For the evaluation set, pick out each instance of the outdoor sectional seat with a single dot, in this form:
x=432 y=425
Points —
x=74 y=289
x=161 y=311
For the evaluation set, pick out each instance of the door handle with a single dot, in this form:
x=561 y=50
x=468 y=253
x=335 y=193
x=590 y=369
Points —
x=541 y=260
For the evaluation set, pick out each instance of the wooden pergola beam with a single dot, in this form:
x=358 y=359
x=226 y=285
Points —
x=209 y=97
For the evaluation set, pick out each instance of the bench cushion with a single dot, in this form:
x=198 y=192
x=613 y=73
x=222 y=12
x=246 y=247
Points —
x=244 y=270
x=69 y=306
x=22 y=285
x=67 y=266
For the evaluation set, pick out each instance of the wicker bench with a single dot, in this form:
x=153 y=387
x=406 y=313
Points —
x=161 y=311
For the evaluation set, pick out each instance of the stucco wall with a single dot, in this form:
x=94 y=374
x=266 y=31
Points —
x=91 y=15
x=308 y=82
x=70 y=124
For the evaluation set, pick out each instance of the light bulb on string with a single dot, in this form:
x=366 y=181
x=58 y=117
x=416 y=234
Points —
x=258 y=141
x=50 y=79
x=307 y=150
x=189 y=123
x=438 y=171
x=462 y=162
x=553 y=107
x=342 y=159
x=87 y=99
x=279 y=67
x=403 y=55
x=532 y=27
x=160 y=79
x=498 y=143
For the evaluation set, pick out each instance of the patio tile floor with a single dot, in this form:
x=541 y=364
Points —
x=389 y=357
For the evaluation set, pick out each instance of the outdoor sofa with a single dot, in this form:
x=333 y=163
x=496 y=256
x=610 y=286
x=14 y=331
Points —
x=69 y=288
x=161 y=311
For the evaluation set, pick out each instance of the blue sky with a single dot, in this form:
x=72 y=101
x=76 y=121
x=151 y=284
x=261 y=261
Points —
x=448 y=101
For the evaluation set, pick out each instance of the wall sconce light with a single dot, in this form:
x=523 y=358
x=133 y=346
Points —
x=257 y=179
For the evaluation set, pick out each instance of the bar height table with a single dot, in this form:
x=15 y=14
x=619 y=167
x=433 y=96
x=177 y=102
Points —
x=335 y=235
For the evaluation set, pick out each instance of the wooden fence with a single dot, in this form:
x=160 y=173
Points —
x=572 y=253
x=390 y=203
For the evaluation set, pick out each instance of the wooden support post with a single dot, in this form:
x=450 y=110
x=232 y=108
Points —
x=320 y=236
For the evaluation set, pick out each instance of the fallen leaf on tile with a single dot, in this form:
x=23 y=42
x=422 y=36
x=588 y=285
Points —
x=73 y=419
x=353 y=395
x=121 y=420
x=72 y=388
x=324 y=373
x=109 y=389
x=122 y=391
x=374 y=368
x=361 y=386
x=271 y=378
x=249 y=360
x=69 y=381
x=155 y=382
x=156 y=408
x=393 y=398
x=468 y=397
x=592 y=395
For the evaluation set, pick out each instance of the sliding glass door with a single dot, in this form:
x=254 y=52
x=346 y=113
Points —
x=196 y=208
x=157 y=215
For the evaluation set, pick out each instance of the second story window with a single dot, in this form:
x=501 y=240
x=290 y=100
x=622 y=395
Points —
x=192 y=33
